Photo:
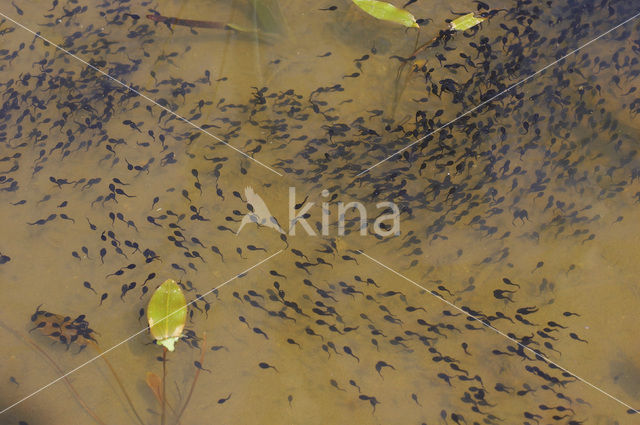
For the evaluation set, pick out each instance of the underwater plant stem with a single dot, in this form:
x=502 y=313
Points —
x=195 y=379
x=164 y=381
x=117 y=378
x=424 y=46
x=187 y=22
x=400 y=87
x=55 y=365
x=71 y=388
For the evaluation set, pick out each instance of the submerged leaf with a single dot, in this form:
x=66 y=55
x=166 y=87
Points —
x=465 y=22
x=387 y=12
x=167 y=314
x=268 y=16
x=64 y=329
x=240 y=28
x=155 y=383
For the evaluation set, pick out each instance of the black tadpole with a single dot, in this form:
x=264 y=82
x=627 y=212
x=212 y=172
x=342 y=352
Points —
x=264 y=365
x=540 y=264
x=381 y=364
x=4 y=259
x=223 y=400
x=349 y=258
x=199 y=366
x=347 y=350
x=508 y=282
x=502 y=294
x=88 y=286
x=275 y=273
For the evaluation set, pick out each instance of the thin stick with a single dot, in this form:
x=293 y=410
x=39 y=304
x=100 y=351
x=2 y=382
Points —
x=424 y=46
x=223 y=59
x=55 y=365
x=398 y=91
x=195 y=379
x=73 y=390
x=164 y=381
x=115 y=375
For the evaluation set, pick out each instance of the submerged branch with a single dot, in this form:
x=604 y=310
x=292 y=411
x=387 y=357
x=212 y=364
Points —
x=164 y=383
x=73 y=391
x=117 y=378
x=195 y=379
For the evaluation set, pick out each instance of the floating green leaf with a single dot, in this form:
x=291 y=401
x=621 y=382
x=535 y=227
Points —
x=465 y=22
x=167 y=314
x=387 y=12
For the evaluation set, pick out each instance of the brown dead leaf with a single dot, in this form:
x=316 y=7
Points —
x=155 y=383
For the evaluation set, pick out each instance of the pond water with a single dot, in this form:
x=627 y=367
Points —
x=132 y=149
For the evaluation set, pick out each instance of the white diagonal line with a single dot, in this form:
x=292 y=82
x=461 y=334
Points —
x=498 y=95
x=134 y=335
x=500 y=332
x=180 y=117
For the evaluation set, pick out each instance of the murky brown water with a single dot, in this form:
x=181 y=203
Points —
x=584 y=155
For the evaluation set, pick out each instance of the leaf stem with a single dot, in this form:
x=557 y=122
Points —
x=195 y=379
x=164 y=382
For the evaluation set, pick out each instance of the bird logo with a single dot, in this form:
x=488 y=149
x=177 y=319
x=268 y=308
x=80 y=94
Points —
x=258 y=212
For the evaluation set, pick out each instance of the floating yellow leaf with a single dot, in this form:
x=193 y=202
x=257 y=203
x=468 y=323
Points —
x=387 y=12
x=465 y=22
x=167 y=314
